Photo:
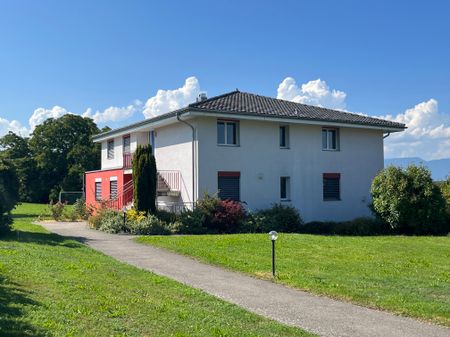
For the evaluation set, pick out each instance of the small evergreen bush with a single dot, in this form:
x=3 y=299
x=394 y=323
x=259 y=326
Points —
x=281 y=218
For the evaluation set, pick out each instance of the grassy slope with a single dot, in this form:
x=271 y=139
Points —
x=406 y=275
x=50 y=285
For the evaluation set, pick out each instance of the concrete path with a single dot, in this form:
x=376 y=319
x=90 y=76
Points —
x=320 y=315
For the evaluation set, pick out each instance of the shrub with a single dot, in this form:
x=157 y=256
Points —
x=80 y=208
x=166 y=216
x=279 y=217
x=191 y=222
x=150 y=225
x=111 y=221
x=56 y=210
x=96 y=219
x=409 y=201
x=358 y=226
x=134 y=215
x=227 y=217
x=70 y=214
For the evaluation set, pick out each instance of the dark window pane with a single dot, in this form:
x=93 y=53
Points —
x=332 y=135
x=229 y=188
x=283 y=188
x=282 y=136
x=220 y=133
x=324 y=140
x=331 y=189
x=231 y=133
x=126 y=145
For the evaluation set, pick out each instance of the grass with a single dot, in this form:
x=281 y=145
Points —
x=406 y=275
x=53 y=286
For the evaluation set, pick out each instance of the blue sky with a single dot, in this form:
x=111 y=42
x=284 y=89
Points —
x=384 y=57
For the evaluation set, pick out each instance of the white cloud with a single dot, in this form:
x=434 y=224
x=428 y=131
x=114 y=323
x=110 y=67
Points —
x=427 y=135
x=41 y=114
x=14 y=126
x=113 y=113
x=169 y=100
x=314 y=92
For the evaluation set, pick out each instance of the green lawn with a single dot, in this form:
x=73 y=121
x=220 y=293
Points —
x=406 y=275
x=52 y=286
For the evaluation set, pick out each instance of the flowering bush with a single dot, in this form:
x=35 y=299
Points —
x=136 y=216
x=228 y=216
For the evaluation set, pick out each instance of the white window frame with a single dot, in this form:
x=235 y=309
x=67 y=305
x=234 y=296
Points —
x=329 y=131
x=226 y=122
x=286 y=136
x=287 y=181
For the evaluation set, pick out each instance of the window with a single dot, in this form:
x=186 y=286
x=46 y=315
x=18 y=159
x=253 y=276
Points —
x=126 y=144
x=330 y=139
x=284 y=137
x=285 y=188
x=227 y=132
x=98 y=190
x=113 y=189
x=331 y=186
x=228 y=184
x=110 y=149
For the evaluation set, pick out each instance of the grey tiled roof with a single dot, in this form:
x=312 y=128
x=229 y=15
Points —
x=239 y=103
x=243 y=103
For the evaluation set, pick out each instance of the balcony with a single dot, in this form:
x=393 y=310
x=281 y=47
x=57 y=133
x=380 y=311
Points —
x=127 y=160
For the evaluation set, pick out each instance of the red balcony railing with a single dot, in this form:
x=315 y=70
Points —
x=127 y=158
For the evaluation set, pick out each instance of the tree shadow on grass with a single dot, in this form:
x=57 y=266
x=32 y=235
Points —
x=44 y=239
x=13 y=299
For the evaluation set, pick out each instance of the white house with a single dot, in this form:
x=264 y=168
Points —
x=255 y=149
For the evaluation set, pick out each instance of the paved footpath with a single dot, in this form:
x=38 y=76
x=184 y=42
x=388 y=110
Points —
x=320 y=315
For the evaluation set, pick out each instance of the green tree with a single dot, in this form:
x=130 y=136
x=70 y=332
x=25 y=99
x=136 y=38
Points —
x=63 y=150
x=9 y=192
x=445 y=189
x=16 y=149
x=144 y=179
x=409 y=201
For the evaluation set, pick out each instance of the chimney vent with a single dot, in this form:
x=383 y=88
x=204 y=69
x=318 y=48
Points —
x=202 y=97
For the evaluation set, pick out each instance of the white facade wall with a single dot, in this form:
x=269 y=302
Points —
x=261 y=163
x=117 y=161
x=173 y=151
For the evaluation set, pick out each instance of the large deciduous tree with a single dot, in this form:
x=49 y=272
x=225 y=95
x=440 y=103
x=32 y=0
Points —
x=9 y=192
x=144 y=179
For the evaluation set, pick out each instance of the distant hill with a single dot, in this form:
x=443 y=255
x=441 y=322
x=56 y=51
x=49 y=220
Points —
x=440 y=168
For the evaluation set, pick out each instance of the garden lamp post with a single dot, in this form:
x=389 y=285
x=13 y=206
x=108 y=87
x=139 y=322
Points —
x=273 y=236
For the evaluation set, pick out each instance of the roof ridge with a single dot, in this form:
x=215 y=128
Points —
x=308 y=105
x=193 y=105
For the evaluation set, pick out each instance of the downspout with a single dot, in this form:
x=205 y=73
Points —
x=193 y=156
x=387 y=135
